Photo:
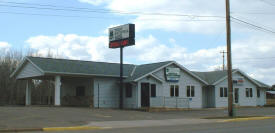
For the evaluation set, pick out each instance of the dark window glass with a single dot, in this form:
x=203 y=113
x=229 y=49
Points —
x=247 y=92
x=221 y=92
x=225 y=92
x=188 y=91
x=176 y=90
x=172 y=91
x=153 y=90
x=258 y=93
x=251 y=92
x=80 y=91
x=192 y=91
x=128 y=90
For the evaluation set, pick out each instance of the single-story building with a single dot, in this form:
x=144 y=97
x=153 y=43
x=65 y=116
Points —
x=162 y=84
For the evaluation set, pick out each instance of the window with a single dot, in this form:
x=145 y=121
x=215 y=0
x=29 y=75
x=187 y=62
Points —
x=223 y=92
x=80 y=91
x=249 y=92
x=258 y=93
x=128 y=90
x=190 y=92
x=174 y=90
x=153 y=90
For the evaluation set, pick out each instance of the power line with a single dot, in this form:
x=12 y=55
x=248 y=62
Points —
x=75 y=9
x=253 y=25
x=105 y=18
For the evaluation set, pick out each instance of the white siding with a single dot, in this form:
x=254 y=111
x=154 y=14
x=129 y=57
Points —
x=108 y=92
x=131 y=102
x=163 y=89
x=28 y=70
x=243 y=100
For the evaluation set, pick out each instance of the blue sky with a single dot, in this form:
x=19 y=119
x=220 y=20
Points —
x=193 y=41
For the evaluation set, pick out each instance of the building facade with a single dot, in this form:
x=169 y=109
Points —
x=163 y=84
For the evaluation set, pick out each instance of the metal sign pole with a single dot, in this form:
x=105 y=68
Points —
x=121 y=78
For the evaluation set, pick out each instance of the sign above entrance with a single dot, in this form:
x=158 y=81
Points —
x=172 y=74
x=121 y=36
x=239 y=81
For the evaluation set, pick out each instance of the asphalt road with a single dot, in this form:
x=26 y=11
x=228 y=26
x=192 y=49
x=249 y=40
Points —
x=252 y=126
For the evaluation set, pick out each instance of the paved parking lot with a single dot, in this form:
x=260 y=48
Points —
x=36 y=117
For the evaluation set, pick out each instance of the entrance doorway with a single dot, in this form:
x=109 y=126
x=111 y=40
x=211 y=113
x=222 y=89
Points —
x=145 y=94
x=236 y=95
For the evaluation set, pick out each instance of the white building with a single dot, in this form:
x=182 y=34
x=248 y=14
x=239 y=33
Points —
x=163 y=84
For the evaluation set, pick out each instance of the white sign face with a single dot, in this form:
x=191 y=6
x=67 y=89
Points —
x=172 y=74
x=239 y=81
x=119 y=32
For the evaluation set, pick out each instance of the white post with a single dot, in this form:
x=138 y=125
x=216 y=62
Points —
x=28 y=93
x=138 y=95
x=57 y=91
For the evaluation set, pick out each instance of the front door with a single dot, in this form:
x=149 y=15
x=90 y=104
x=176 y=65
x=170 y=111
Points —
x=236 y=94
x=145 y=95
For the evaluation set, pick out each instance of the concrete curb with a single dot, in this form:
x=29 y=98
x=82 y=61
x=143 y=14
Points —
x=54 y=129
x=247 y=119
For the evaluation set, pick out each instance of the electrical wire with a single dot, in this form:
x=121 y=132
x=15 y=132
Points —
x=75 y=9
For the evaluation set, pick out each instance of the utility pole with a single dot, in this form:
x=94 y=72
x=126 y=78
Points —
x=223 y=52
x=229 y=63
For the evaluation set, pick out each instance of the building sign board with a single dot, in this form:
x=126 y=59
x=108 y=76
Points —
x=172 y=74
x=239 y=81
x=122 y=36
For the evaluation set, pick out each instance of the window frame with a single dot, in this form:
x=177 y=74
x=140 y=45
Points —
x=190 y=91
x=153 y=92
x=174 y=90
x=128 y=90
x=223 y=92
x=249 y=92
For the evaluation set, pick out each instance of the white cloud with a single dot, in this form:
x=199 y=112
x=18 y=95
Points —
x=4 y=46
x=93 y=2
x=149 y=49
x=191 y=7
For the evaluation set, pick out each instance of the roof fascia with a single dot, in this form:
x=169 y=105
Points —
x=157 y=78
x=17 y=68
x=222 y=79
x=189 y=72
x=82 y=74
x=145 y=75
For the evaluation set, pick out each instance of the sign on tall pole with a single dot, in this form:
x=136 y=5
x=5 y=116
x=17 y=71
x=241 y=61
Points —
x=229 y=62
x=120 y=37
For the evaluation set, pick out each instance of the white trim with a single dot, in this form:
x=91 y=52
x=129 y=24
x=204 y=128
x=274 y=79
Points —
x=242 y=73
x=192 y=74
x=36 y=66
x=80 y=74
x=222 y=79
x=172 y=62
x=17 y=68
x=145 y=75
x=157 y=78
x=132 y=73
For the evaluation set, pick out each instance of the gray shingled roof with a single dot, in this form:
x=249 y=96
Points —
x=144 y=69
x=214 y=76
x=211 y=77
x=50 y=65
x=78 y=67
